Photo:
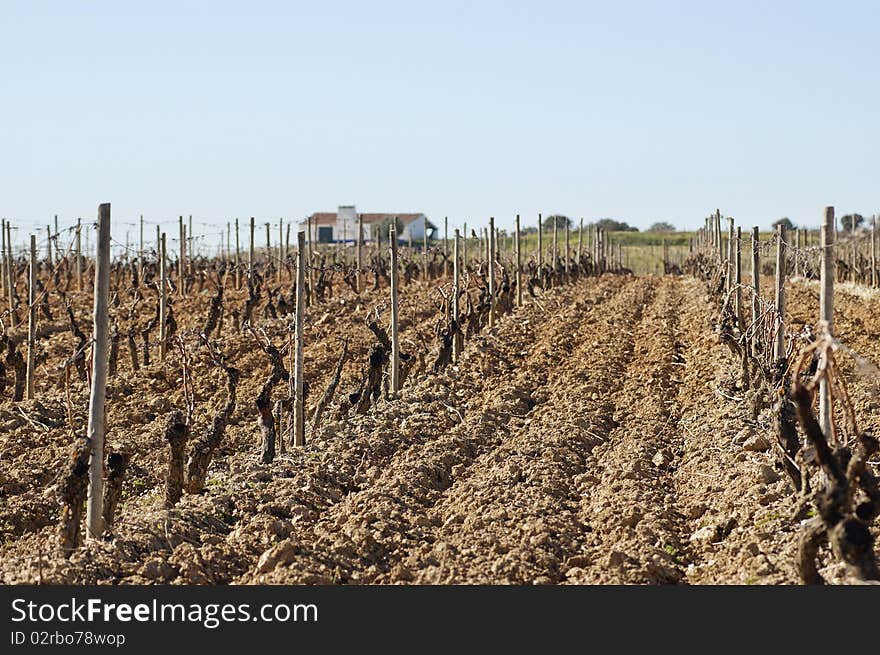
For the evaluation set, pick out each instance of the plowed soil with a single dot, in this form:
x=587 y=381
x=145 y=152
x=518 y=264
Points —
x=593 y=436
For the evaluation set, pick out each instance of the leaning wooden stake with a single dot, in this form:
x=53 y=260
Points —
x=779 y=345
x=94 y=508
x=395 y=339
x=519 y=291
x=32 y=321
x=826 y=313
x=299 y=409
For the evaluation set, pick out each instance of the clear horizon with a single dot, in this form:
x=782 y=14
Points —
x=640 y=111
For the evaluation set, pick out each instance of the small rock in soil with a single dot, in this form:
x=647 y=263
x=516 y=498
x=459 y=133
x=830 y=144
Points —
x=756 y=444
x=743 y=436
x=276 y=556
x=706 y=534
x=767 y=474
x=662 y=458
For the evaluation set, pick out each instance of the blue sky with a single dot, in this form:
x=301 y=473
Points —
x=641 y=111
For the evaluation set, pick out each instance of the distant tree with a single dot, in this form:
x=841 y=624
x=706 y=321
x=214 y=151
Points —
x=662 y=226
x=561 y=221
x=385 y=226
x=610 y=225
x=846 y=222
x=786 y=221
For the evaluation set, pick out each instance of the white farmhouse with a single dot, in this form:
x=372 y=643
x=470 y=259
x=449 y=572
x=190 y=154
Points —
x=341 y=226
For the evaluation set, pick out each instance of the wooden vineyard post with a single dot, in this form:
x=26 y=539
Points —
x=491 y=259
x=287 y=245
x=567 y=254
x=718 y=241
x=79 y=271
x=874 y=251
x=237 y=258
x=519 y=292
x=251 y=251
x=94 y=507
x=580 y=241
x=455 y=286
x=738 y=280
x=299 y=408
x=555 y=246
x=32 y=320
x=267 y=257
x=756 y=278
x=360 y=245
x=540 y=244
x=49 y=245
x=779 y=345
x=464 y=241
x=163 y=296
x=852 y=249
x=395 y=341
x=181 y=261
x=826 y=311
x=730 y=254
x=55 y=241
x=424 y=247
